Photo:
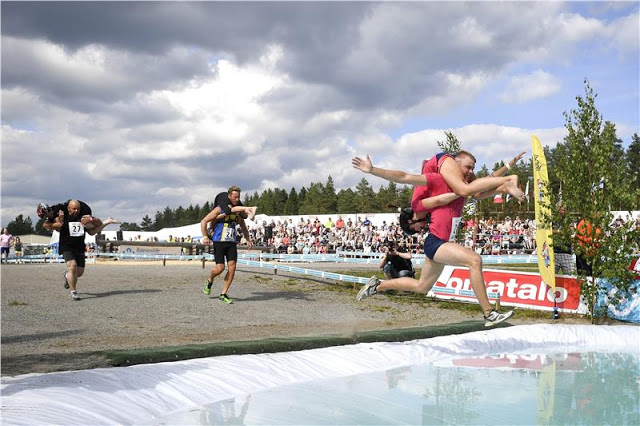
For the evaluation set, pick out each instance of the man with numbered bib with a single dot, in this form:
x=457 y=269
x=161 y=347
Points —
x=224 y=239
x=73 y=220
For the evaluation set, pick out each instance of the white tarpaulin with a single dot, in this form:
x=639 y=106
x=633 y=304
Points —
x=143 y=394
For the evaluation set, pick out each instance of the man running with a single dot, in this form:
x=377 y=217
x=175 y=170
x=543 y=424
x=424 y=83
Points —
x=439 y=247
x=71 y=224
x=72 y=219
x=225 y=243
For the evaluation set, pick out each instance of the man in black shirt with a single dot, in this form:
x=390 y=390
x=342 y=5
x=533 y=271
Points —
x=396 y=263
x=74 y=219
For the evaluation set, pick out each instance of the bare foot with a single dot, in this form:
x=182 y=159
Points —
x=252 y=213
x=110 y=220
x=512 y=188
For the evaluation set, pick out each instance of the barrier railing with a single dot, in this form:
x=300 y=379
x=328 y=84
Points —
x=339 y=257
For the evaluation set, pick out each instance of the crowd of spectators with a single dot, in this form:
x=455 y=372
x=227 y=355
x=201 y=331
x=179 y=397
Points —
x=311 y=236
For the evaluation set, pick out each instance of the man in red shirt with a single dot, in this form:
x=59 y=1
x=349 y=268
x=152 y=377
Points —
x=446 y=209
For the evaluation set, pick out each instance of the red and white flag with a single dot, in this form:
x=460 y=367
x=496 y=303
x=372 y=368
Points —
x=497 y=199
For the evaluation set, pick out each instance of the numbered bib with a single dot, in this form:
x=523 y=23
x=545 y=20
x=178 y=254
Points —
x=455 y=222
x=228 y=233
x=76 y=229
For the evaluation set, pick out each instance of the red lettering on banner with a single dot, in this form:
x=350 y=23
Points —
x=515 y=288
x=524 y=361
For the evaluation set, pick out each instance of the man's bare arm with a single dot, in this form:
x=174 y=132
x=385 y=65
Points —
x=438 y=200
x=398 y=176
x=245 y=232
x=212 y=216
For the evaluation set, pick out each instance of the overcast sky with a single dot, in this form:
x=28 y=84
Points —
x=135 y=106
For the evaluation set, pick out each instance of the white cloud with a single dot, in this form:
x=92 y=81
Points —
x=625 y=34
x=575 y=28
x=172 y=114
x=536 y=85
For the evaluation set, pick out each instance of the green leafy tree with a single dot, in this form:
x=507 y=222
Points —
x=249 y=200
x=146 y=223
x=347 y=202
x=292 y=204
x=312 y=203
x=584 y=167
x=205 y=210
x=40 y=230
x=404 y=196
x=329 y=199
x=302 y=195
x=451 y=144
x=365 y=196
x=126 y=226
x=267 y=202
x=280 y=196
x=388 y=196
x=632 y=159
x=20 y=226
x=192 y=214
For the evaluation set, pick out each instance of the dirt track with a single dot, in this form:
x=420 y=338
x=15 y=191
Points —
x=146 y=305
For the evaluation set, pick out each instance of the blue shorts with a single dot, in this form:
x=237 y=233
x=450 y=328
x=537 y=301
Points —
x=431 y=245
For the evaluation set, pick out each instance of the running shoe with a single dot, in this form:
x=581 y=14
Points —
x=495 y=318
x=369 y=289
x=74 y=295
x=66 y=283
x=225 y=299
x=207 y=288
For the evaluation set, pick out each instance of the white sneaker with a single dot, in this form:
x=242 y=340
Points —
x=74 y=295
x=495 y=318
x=369 y=289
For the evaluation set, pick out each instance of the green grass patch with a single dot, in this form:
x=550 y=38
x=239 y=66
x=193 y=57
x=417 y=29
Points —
x=17 y=303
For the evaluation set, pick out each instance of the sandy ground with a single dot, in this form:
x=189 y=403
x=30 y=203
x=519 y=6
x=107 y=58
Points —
x=128 y=305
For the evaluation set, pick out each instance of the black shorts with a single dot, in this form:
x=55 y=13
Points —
x=222 y=250
x=76 y=255
x=431 y=245
x=4 y=250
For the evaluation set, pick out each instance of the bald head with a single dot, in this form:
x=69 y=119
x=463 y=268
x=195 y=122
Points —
x=73 y=208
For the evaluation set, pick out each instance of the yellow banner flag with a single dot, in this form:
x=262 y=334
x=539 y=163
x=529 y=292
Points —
x=547 y=394
x=544 y=232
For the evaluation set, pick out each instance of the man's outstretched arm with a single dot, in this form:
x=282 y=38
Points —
x=398 y=176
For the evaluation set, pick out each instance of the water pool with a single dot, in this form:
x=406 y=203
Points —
x=559 y=388
x=532 y=374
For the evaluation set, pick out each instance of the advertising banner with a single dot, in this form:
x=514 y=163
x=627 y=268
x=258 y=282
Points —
x=149 y=250
x=522 y=289
x=542 y=198
x=627 y=307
